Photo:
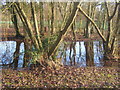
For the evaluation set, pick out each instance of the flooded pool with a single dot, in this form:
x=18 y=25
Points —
x=82 y=54
x=7 y=52
x=79 y=54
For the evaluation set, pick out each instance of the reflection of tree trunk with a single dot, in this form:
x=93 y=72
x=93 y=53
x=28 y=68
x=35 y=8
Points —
x=16 y=55
x=71 y=45
x=65 y=29
x=27 y=56
x=89 y=53
x=79 y=50
x=74 y=52
x=65 y=56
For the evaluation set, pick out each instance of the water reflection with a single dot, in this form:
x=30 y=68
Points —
x=11 y=53
x=89 y=53
x=82 y=54
x=7 y=50
x=98 y=52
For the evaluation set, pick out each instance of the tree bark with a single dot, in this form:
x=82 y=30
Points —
x=52 y=18
x=41 y=19
x=29 y=28
x=36 y=24
x=89 y=53
x=109 y=35
x=63 y=32
x=116 y=30
x=90 y=19
x=87 y=31
x=16 y=54
x=15 y=21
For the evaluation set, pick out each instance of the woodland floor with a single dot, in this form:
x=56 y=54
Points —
x=63 y=77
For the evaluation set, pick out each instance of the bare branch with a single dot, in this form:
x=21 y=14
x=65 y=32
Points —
x=110 y=17
x=7 y=7
x=90 y=19
x=62 y=33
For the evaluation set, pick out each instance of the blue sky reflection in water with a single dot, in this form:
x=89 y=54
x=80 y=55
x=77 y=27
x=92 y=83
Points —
x=98 y=52
x=80 y=57
x=7 y=49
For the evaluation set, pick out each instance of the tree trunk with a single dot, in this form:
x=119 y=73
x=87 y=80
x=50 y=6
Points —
x=109 y=35
x=106 y=42
x=116 y=32
x=16 y=54
x=89 y=53
x=74 y=53
x=28 y=26
x=36 y=25
x=87 y=31
x=73 y=31
x=15 y=21
x=41 y=19
x=52 y=18
x=63 y=32
x=27 y=54
x=90 y=19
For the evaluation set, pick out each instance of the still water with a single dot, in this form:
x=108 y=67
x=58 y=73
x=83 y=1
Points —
x=80 y=54
x=7 y=50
